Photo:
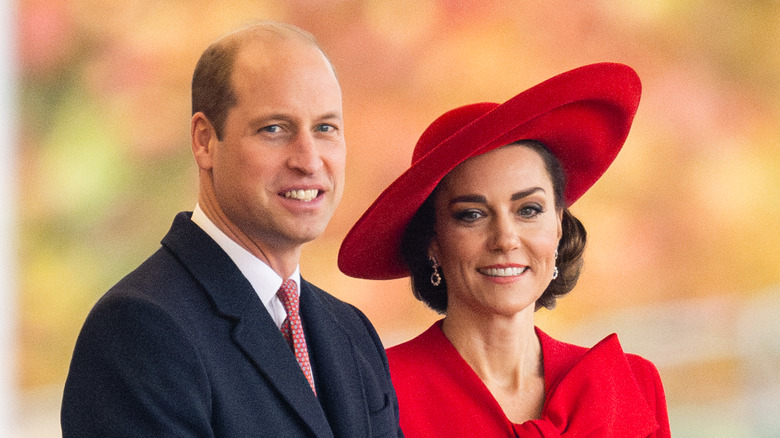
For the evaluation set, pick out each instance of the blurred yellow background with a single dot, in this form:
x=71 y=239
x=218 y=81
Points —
x=683 y=228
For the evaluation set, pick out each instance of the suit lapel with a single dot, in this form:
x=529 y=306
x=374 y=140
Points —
x=337 y=375
x=254 y=331
x=262 y=342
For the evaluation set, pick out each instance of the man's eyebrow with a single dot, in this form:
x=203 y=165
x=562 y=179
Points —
x=335 y=115
x=331 y=116
x=271 y=118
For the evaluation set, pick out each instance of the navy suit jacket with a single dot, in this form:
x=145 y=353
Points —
x=183 y=347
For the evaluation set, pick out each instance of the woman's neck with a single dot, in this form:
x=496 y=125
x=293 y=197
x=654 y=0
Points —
x=506 y=354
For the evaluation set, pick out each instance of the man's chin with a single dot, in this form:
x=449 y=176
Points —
x=302 y=233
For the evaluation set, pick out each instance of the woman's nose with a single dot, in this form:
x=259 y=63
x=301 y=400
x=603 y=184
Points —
x=505 y=234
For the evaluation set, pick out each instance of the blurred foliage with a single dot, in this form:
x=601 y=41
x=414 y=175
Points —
x=689 y=210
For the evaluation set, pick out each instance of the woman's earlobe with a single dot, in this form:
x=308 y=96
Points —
x=435 y=275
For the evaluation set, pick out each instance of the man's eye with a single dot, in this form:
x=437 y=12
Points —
x=326 y=128
x=271 y=129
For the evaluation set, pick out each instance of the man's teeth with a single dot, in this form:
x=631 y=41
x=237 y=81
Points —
x=502 y=272
x=302 y=195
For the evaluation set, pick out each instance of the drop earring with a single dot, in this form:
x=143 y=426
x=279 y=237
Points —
x=555 y=271
x=435 y=276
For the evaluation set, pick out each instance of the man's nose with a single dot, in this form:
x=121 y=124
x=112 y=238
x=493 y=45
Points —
x=305 y=155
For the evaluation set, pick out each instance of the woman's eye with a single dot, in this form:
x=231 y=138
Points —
x=530 y=211
x=468 y=215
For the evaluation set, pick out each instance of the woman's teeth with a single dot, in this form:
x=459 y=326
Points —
x=502 y=272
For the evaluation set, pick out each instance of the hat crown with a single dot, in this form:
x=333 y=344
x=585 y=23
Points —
x=446 y=125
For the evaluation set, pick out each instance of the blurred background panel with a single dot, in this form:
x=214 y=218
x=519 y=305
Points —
x=681 y=261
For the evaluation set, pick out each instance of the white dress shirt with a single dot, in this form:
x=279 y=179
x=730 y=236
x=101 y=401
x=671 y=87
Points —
x=262 y=278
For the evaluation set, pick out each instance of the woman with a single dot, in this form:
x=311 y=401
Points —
x=481 y=223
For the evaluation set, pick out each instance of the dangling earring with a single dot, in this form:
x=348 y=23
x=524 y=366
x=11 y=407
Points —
x=555 y=271
x=435 y=277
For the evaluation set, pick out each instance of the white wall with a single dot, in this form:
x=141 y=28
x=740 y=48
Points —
x=8 y=283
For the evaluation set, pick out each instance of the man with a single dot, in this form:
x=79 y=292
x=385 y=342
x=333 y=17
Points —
x=190 y=344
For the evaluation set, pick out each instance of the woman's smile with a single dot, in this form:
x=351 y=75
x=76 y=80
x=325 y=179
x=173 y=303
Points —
x=507 y=271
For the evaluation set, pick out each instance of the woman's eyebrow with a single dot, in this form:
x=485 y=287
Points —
x=479 y=199
x=475 y=199
x=524 y=193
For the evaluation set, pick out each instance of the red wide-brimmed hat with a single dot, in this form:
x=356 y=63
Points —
x=583 y=116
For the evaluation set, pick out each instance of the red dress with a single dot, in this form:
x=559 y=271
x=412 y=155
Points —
x=597 y=392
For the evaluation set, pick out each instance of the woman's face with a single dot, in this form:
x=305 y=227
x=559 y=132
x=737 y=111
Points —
x=496 y=231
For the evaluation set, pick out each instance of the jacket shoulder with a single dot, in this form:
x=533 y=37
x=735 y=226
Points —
x=344 y=312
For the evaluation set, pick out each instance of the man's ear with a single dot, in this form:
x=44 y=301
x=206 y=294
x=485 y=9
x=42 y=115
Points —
x=204 y=139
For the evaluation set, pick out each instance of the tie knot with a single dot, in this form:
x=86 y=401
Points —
x=288 y=295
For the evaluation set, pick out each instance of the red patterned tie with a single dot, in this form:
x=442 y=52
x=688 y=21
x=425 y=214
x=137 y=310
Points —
x=293 y=330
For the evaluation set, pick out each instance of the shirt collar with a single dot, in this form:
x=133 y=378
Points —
x=262 y=278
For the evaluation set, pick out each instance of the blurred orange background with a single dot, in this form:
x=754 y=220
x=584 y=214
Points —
x=683 y=228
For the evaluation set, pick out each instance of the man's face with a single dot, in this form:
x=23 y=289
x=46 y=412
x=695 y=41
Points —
x=278 y=173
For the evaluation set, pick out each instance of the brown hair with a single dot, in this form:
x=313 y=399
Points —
x=212 y=88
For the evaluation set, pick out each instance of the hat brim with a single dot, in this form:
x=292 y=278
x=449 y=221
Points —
x=583 y=116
